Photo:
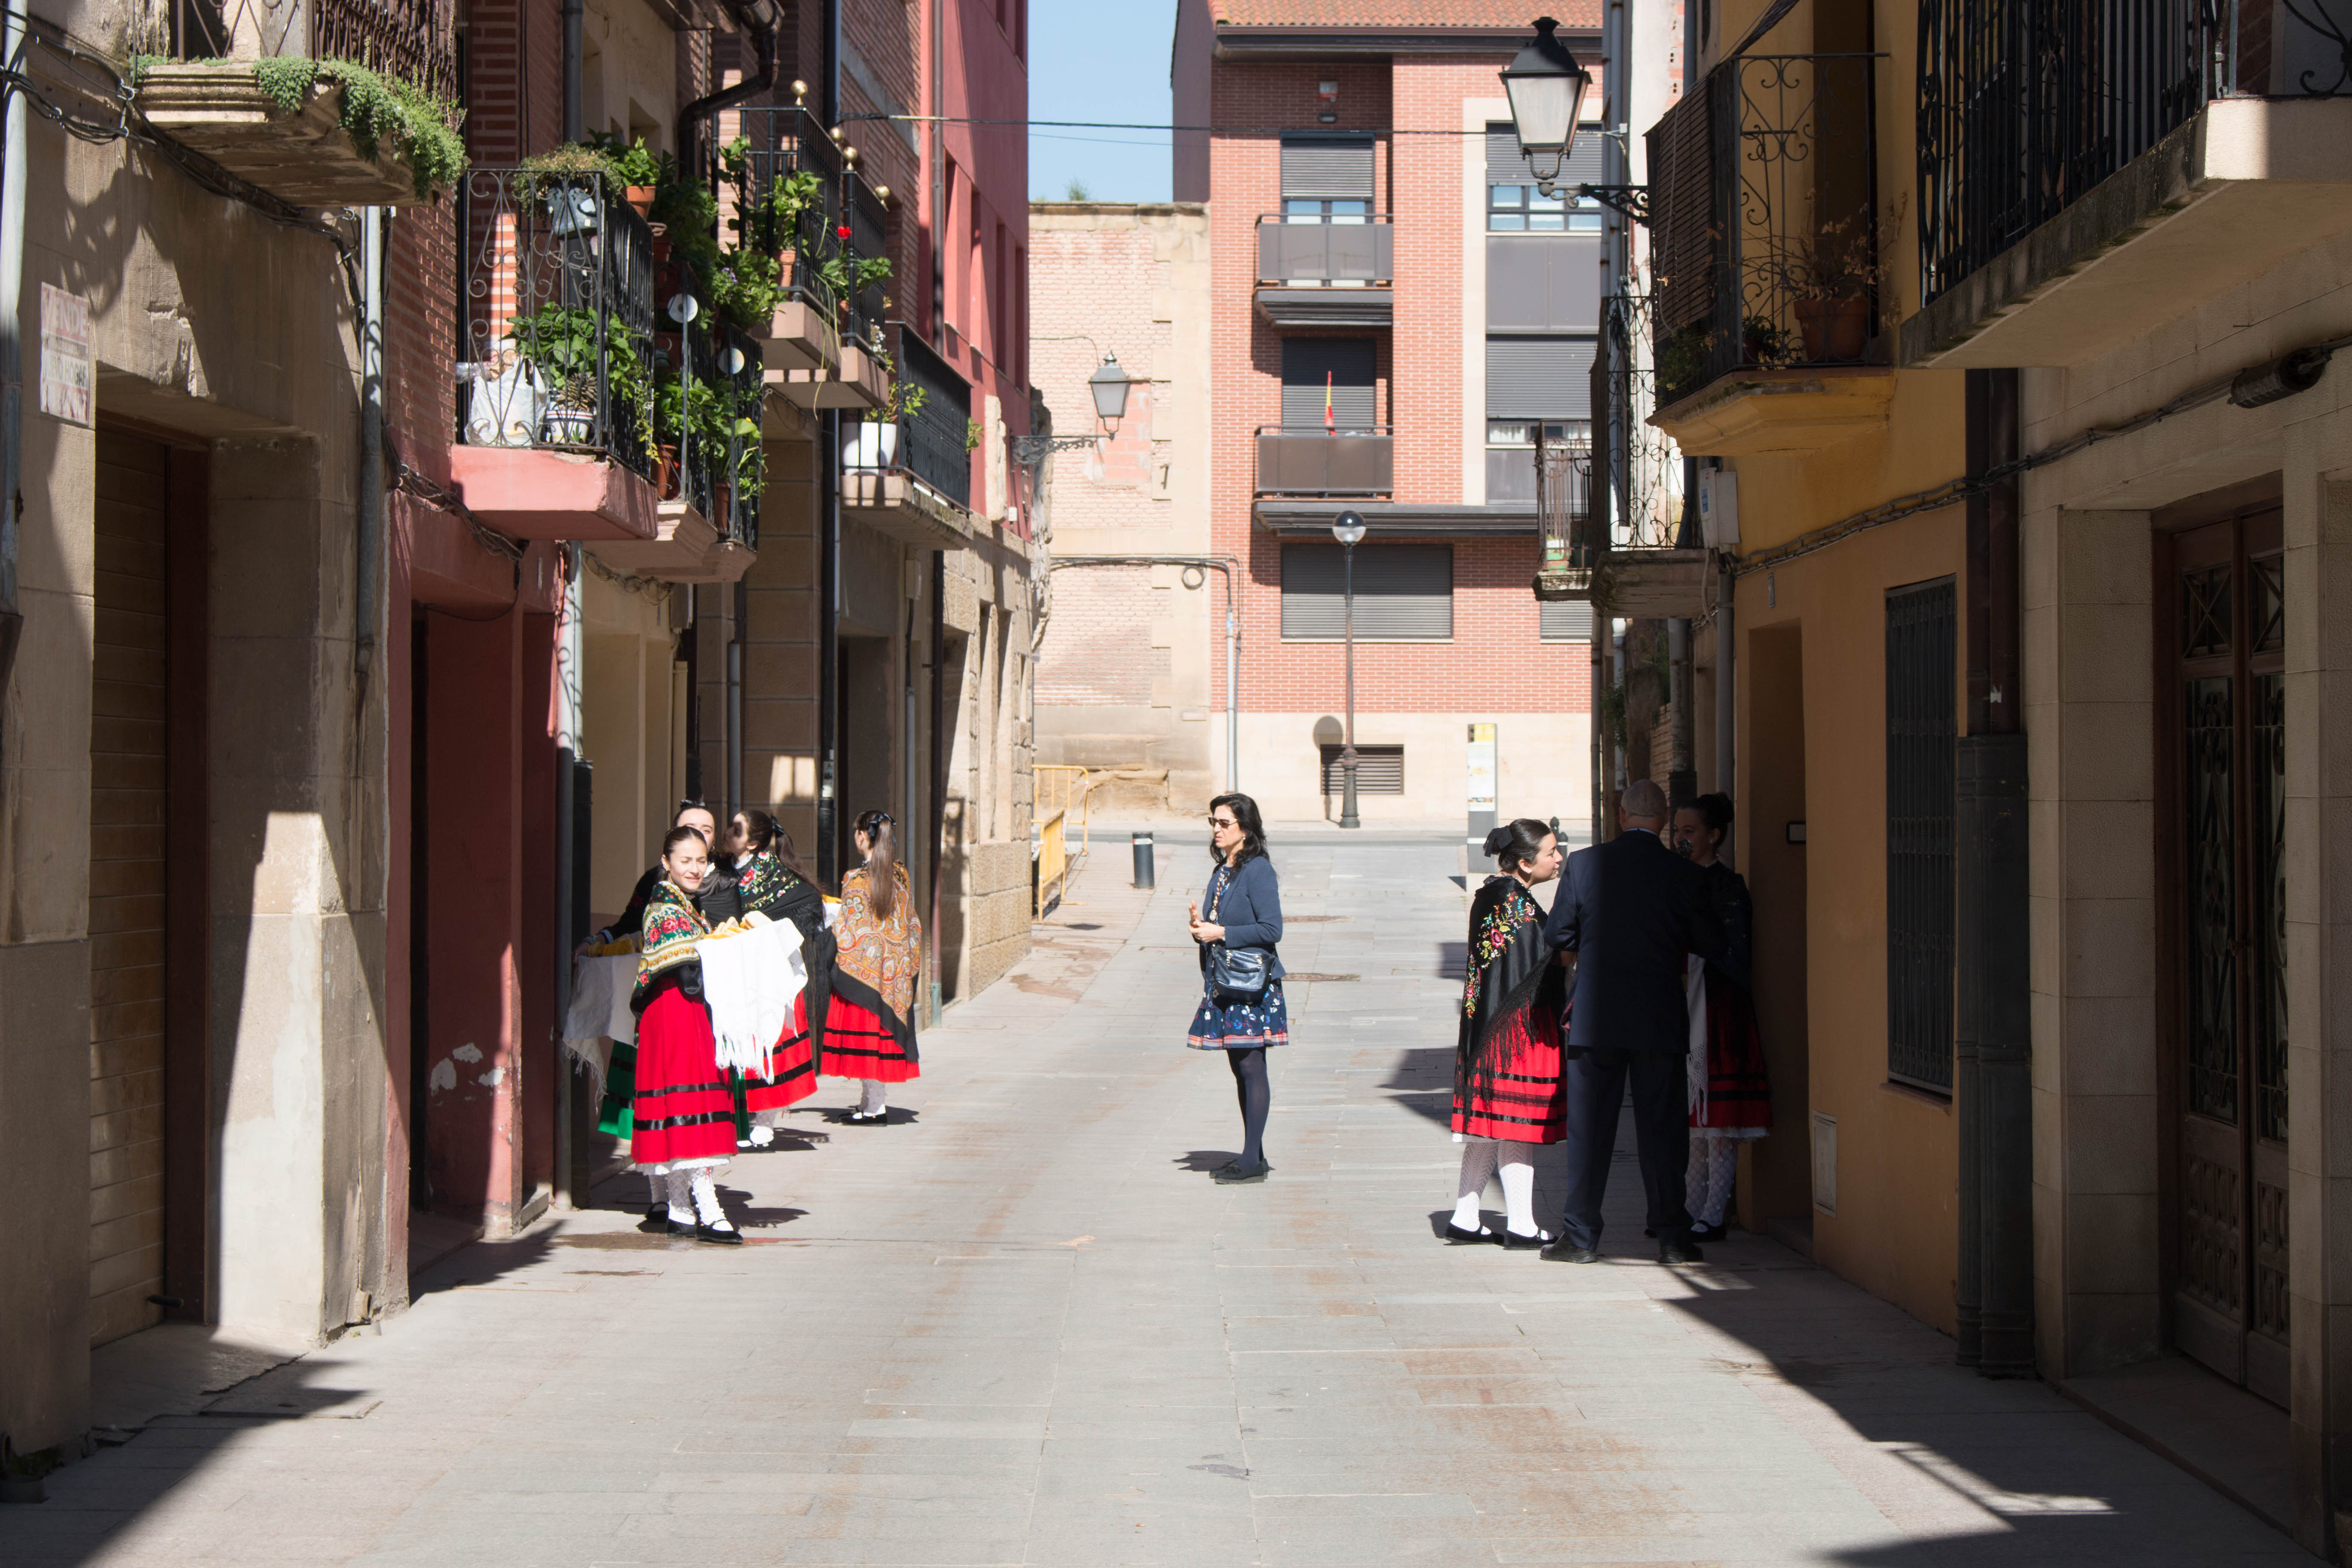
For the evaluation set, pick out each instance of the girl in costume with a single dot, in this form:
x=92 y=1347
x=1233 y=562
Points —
x=1731 y=1099
x=867 y=1024
x=1244 y=910
x=1507 y=1089
x=683 y=1112
x=765 y=880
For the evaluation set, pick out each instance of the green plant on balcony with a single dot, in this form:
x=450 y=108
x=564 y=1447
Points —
x=375 y=109
x=906 y=398
x=708 y=419
x=563 y=344
x=972 y=435
x=746 y=288
x=1683 y=360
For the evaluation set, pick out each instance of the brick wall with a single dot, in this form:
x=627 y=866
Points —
x=514 y=79
x=1495 y=655
x=1097 y=646
x=1098 y=287
x=421 y=335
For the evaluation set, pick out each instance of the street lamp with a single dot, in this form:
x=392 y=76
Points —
x=1109 y=384
x=1348 y=528
x=1547 y=88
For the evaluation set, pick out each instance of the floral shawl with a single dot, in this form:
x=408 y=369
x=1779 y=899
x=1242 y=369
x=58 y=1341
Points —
x=672 y=927
x=762 y=879
x=886 y=955
x=1508 y=981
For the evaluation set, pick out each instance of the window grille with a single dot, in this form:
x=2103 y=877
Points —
x=1922 y=628
x=1379 y=770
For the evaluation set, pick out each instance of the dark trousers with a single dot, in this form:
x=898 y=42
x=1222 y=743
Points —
x=1595 y=1083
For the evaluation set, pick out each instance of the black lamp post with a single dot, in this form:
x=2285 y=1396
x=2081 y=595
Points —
x=1546 y=89
x=1348 y=528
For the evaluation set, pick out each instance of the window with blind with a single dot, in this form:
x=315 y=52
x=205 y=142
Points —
x=1323 y=168
x=1404 y=593
x=1343 y=369
x=1922 y=635
x=1541 y=251
x=1533 y=382
x=1379 y=770
x=1564 y=620
x=1515 y=205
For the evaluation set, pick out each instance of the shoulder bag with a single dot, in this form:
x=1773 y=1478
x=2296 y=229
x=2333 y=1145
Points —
x=1237 y=976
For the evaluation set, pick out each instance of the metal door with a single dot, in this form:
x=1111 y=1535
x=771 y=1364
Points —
x=2228 y=713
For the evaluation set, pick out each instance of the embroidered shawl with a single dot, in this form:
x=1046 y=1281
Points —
x=673 y=925
x=884 y=954
x=1510 y=980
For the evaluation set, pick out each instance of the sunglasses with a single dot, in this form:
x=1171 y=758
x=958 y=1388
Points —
x=1223 y=822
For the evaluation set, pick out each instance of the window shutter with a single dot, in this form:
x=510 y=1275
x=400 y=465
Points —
x=1542 y=283
x=1539 y=378
x=1922 y=641
x=1564 y=620
x=1505 y=165
x=1404 y=593
x=1326 y=169
x=1379 y=770
x=1351 y=367
x=1682 y=183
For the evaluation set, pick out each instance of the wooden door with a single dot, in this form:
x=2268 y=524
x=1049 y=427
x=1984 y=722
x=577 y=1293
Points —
x=2227 y=748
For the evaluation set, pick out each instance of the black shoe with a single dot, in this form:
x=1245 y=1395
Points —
x=1455 y=1236
x=1648 y=1231
x=1702 y=1231
x=657 y=1218
x=1680 y=1252
x=730 y=1237
x=1514 y=1242
x=1566 y=1251
x=1237 y=1172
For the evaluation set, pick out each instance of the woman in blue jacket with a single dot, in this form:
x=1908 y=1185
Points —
x=1243 y=910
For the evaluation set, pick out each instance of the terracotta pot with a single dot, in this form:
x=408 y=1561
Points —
x=667 y=479
x=785 y=259
x=722 y=506
x=642 y=198
x=1833 y=329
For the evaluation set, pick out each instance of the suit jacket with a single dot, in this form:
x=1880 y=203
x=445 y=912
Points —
x=1250 y=908
x=1630 y=910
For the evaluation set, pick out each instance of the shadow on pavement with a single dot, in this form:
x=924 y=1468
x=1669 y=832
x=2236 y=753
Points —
x=1205 y=1160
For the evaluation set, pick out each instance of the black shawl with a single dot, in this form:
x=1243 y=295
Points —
x=1510 y=974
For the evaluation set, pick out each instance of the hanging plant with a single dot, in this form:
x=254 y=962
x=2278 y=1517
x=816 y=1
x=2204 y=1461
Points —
x=376 y=108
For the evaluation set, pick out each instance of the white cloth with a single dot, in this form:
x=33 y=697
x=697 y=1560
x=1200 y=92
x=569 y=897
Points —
x=506 y=404
x=749 y=979
x=599 y=1013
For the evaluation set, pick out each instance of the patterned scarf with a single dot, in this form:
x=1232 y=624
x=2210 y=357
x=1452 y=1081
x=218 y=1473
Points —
x=673 y=925
x=762 y=879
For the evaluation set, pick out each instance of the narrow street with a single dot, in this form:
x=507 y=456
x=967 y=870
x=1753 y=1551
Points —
x=1021 y=1326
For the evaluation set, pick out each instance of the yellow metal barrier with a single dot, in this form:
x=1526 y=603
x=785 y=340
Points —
x=1063 y=794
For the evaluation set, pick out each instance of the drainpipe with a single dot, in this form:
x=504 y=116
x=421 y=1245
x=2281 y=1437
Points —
x=11 y=387
x=371 y=511
x=939 y=800
x=763 y=39
x=828 y=706
x=1726 y=688
x=567 y=723
x=574 y=109
x=735 y=700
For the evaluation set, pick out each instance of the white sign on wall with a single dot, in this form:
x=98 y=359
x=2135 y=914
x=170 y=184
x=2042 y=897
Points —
x=68 y=371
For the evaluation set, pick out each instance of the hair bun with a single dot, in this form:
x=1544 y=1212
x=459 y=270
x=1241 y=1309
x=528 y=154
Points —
x=1498 y=840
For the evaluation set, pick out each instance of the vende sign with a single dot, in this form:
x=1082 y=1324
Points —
x=69 y=372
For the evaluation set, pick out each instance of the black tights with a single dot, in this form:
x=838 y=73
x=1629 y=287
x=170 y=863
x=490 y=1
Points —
x=1255 y=1095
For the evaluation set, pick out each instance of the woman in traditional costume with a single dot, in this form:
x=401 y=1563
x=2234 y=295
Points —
x=1245 y=910
x=764 y=881
x=1507 y=1089
x=1731 y=1099
x=683 y=1112
x=866 y=1025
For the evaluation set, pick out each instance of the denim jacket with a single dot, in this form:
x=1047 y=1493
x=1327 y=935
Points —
x=1249 y=908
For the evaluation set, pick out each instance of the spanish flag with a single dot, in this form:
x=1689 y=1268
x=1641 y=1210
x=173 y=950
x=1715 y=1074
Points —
x=1329 y=427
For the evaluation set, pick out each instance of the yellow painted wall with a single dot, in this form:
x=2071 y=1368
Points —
x=1894 y=1230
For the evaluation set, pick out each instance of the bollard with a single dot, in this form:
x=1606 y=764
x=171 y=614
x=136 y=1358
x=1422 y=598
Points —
x=1143 y=868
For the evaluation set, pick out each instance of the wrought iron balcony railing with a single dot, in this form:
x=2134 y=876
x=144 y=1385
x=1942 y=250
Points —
x=934 y=442
x=1769 y=244
x=780 y=143
x=559 y=317
x=2023 y=108
x=413 y=40
x=1297 y=249
x=1311 y=460
x=1564 y=510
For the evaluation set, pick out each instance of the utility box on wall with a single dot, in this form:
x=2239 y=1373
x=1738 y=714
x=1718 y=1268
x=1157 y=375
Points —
x=1484 y=789
x=1718 y=508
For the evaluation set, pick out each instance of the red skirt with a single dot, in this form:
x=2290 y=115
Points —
x=793 y=1066
x=1739 y=1088
x=1526 y=1102
x=858 y=1044
x=683 y=1110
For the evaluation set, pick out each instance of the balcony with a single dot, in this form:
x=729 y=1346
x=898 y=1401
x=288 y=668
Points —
x=2091 y=169
x=1314 y=461
x=1563 y=484
x=206 y=95
x=858 y=382
x=1326 y=271
x=910 y=478
x=556 y=394
x=1770 y=248
x=785 y=151
x=713 y=462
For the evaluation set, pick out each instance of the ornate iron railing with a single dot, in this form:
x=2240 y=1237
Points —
x=931 y=443
x=559 y=317
x=2023 y=108
x=1640 y=475
x=1564 y=505
x=414 y=40
x=780 y=143
x=1773 y=202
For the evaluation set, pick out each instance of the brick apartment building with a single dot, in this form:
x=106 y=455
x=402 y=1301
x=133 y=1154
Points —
x=1395 y=310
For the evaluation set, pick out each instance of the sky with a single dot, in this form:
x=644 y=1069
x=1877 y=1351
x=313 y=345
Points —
x=1099 y=59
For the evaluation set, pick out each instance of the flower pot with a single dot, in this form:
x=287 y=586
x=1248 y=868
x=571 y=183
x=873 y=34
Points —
x=786 y=259
x=667 y=478
x=568 y=428
x=867 y=445
x=723 y=509
x=642 y=198
x=1833 y=329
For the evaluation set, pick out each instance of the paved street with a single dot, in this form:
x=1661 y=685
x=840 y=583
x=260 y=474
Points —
x=1023 y=1327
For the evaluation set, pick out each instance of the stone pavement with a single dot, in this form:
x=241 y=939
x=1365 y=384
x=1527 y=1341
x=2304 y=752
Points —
x=1022 y=1326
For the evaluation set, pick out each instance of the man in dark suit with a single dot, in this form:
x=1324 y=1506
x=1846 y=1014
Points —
x=1630 y=910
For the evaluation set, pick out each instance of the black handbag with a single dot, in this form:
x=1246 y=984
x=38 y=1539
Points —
x=1238 y=977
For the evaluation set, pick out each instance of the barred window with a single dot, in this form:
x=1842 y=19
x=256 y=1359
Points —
x=1922 y=630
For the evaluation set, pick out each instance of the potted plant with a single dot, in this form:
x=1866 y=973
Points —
x=1835 y=273
x=873 y=441
x=633 y=167
x=560 y=341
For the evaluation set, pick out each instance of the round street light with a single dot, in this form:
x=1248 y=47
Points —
x=1348 y=528
x=1546 y=89
x=1109 y=386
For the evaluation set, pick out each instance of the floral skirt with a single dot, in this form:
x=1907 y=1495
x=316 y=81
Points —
x=1245 y=1025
